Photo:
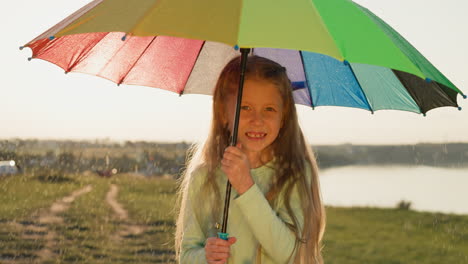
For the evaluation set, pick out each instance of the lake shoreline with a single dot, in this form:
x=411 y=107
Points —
x=428 y=189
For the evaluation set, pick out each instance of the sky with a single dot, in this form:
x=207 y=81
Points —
x=37 y=100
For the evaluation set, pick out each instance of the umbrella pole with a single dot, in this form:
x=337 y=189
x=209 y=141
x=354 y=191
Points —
x=227 y=199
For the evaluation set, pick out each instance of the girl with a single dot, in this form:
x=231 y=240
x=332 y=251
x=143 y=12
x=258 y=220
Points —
x=276 y=213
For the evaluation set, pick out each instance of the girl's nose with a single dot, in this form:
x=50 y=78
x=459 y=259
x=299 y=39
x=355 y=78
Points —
x=257 y=117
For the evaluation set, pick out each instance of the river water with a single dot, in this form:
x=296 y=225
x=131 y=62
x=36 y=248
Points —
x=430 y=189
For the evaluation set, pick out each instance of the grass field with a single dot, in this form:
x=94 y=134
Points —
x=68 y=219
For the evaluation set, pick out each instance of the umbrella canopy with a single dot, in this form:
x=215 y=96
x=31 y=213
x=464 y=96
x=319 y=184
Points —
x=337 y=52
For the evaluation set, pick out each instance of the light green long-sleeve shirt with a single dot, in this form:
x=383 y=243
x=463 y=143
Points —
x=251 y=220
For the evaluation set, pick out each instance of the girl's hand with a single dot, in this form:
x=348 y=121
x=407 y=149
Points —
x=235 y=164
x=217 y=249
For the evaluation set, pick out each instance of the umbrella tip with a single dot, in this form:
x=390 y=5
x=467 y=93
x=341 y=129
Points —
x=424 y=114
x=236 y=47
x=21 y=47
x=124 y=37
x=346 y=63
x=459 y=108
x=464 y=96
x=30 y=58
x=51 y=37
x=428 y=80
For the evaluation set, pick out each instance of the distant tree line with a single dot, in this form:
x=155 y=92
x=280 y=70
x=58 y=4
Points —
x=148 y=158
x=439 y=155
x=153 y=158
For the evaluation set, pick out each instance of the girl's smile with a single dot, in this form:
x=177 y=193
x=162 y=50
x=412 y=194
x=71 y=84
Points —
x=260 y=118
x=255 y=135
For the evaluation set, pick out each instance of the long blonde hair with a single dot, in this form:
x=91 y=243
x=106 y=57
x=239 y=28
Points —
x=292 y=153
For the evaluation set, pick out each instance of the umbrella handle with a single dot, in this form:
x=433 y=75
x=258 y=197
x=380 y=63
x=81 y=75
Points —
x=223 y=236
x=227 y=199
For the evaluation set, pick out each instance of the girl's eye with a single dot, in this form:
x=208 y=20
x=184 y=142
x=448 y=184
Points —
x=245 y=107
x=270 y=109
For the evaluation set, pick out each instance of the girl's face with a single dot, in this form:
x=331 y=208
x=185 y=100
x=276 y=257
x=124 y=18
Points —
x=260 y=118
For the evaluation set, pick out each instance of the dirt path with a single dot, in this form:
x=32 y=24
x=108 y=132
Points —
x=41 y=229
x=41 y=226
x=52 y=217
x=128 y=228
x=111 y=199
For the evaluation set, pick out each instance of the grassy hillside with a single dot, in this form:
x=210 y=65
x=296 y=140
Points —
x=68 y=219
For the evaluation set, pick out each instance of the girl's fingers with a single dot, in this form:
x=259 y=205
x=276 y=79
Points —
x=214 y=241
x=229 y=155
x=217 y=261
x=222 y=242
x=234 y=150
x=231 y=240
x=218 y=249
x=219 y=256
x=233 y=157
x=226 y=164
x=214 y=255
x=229 y=160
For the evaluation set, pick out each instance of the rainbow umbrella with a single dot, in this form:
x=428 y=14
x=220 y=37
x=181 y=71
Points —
x=336 y=51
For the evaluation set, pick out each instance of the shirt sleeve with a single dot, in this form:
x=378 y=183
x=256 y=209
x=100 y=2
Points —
x=193 y=240
x=269 y=226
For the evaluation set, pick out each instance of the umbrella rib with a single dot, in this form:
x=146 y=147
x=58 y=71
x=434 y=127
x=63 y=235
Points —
x=135 y=62
x=415 y=95
x=307 y=81
x=80 y=57
x=241 y=9
x=360 y=86
x=409 y=92
x=195 y=61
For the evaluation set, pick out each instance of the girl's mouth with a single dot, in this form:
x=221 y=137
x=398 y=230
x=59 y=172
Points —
x=255 y=135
